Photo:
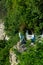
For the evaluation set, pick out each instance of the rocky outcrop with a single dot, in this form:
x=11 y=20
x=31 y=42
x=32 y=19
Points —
x=20 y=47
x=2 y=33
x=13 y=58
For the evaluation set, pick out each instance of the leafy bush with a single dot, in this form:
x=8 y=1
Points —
x=33 y=55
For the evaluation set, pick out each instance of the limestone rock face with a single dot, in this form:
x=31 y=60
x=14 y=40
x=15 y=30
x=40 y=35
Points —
x=2 y=34
x=20 y=47
x=13 y=58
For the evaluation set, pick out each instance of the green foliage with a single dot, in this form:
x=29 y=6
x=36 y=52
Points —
x=5 y=47
x=4 y=55
x=33 y=55
x=24 y=11
x=3 y=9
x=18 y=13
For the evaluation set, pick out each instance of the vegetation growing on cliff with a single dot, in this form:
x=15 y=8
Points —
x=22 y=14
